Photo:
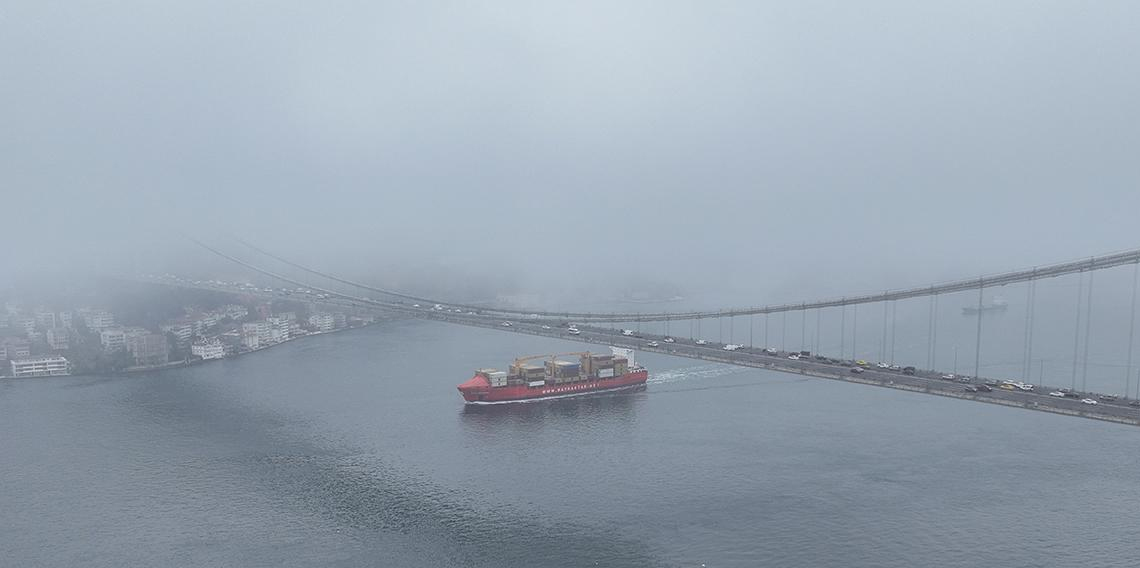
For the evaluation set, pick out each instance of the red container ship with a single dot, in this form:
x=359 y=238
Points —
x=558 y=377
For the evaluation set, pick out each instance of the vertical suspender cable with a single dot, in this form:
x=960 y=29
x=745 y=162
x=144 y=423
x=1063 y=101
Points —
x=1032 y=322
x=783 y=331
x=929 y=332
x=894 y=319
x=978 y=333
x=883 y=345
x=1077 y=327
x=934 y=348
x=1025 y=362
x=843 y=331
x=818 y=315
x=1131 y=331
x=855 y=332
x=1088 y=328
x=803 y=327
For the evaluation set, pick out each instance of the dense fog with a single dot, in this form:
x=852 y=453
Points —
x=741 y=151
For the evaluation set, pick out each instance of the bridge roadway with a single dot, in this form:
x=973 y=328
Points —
x=927 y=382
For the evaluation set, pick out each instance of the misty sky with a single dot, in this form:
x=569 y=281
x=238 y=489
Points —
x=794 y=148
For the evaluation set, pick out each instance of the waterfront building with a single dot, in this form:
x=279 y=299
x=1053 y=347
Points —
x=206 y=321
x=182 y=330
x=340 y=321
x=46 y=319
x=59 y=339
x=114 y=339
x=322 y=321
x=40 y=367
x=65 y=320
x=260 y=328
x=26 y=324
x=148 y=348
x=16 y=348
x=208 y=349
x=249 y=338
x=233 y=311
x=97 y=320
x=279 y=329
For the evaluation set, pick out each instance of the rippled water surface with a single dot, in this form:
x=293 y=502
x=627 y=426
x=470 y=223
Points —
x=354 y=449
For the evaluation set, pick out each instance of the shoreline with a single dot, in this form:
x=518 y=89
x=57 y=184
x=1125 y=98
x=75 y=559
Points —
x=193 y=363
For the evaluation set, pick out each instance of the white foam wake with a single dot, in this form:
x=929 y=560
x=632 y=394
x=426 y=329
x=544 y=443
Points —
x=694 y=373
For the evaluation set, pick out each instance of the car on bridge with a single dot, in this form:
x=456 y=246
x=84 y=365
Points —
x=856 y=370
x=702 y=342
x=574 y=331
x=652 y=344
x=506 y=324
x=627 y=332
x=669 y=340
x=1089 y=401
x=1057 y=394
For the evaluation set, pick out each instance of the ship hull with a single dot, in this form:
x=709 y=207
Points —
x=478 y=391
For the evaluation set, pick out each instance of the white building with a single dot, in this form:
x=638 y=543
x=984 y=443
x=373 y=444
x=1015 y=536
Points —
x=184 y=331
x=340 y=321
x=41 y=367
x=148 y=348
x=250 y=339
x=59 y=339
x=261 y=328
x=205 y=322
x=279 y=329
x=114 y=339
x=25 y=323
x=46 y=319
x=208 y=349
x=65 y=320
x=322 y=321
x=98 y=320
x=16 y=349
x=233 y=311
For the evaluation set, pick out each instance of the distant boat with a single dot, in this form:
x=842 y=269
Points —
x=998 y=304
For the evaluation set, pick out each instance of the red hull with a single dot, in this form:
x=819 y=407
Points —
x=479 y=390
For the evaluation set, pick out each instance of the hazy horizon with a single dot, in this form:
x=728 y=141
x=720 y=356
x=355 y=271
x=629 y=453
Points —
x=742 y=150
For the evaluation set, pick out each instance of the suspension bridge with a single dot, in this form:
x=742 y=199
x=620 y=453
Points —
x=592 y=326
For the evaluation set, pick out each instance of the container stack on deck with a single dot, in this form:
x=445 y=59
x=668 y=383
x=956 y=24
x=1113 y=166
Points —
x=496 y=378
x=589 y=366
x=525 y=381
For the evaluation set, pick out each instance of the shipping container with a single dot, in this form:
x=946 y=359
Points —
x=536 y=383
x=605 y=373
